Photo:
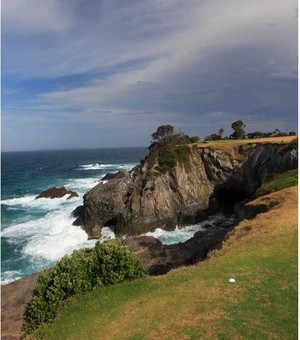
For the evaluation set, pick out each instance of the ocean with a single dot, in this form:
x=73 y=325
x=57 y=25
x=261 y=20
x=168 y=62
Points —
x=37 y=233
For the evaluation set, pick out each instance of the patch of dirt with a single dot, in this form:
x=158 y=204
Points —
x=13 y=299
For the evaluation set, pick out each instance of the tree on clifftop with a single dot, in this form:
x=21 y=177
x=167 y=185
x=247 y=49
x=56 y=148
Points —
x=239 y=132
x=162 y=132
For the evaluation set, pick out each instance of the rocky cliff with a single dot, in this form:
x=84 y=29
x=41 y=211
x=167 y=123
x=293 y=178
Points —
x=180 y=184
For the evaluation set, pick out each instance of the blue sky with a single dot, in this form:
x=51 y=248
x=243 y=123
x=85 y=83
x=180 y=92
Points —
x=107 y=73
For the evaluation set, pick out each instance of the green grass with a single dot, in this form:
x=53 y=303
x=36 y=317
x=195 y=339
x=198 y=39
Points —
x=277 y=182
x=198 y=301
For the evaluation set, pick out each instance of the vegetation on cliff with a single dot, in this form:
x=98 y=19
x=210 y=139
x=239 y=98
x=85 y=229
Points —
x=169 y=151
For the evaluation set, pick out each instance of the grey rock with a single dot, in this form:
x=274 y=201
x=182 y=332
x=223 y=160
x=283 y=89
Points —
x=115 y=175
x=211 y=179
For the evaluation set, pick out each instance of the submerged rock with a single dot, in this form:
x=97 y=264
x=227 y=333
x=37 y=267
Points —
x=57 y=193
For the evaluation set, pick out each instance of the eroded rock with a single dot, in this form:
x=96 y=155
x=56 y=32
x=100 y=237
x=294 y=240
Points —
x=204 y=180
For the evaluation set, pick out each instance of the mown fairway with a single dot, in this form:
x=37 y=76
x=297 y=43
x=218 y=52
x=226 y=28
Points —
x=198 y=302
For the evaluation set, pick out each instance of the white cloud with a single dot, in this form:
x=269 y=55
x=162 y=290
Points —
x=174 y=58
x=21 y=17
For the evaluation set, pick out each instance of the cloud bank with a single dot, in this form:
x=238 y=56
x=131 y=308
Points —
x=76 y=72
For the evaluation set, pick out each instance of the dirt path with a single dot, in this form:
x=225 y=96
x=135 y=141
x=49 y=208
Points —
x=13 y=298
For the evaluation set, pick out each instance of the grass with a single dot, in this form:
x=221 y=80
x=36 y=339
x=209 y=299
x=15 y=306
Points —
x=198 y=301
x=236 y=142
x=277 y=182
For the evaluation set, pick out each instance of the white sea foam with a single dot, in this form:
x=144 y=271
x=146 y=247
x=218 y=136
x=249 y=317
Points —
x=106 y=234
x=81 y=185
x=10 y=276
x=51 y=236
x=19 y=201
x=128 y=166
x=41 y=203
x=180 y=235
x=97 y=166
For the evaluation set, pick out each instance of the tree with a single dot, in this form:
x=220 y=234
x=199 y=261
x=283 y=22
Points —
x=162 y=132
x=278 y=133
x=256 y=134
x=194 y=139
x=220 y=132
x=213 y=136
x=238 y=127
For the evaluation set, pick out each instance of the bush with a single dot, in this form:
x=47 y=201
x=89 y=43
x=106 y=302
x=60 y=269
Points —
x=193 y=139
x=116 y=263
x=168 y=161
x=213 y=136
x=105 y=264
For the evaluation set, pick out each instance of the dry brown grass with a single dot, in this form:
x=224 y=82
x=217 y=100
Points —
x=283 y=215
x=234 y=143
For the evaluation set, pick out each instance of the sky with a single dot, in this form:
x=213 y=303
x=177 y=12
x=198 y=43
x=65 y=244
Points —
x=107 y=73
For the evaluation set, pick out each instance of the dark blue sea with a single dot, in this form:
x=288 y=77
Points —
x=37 y=233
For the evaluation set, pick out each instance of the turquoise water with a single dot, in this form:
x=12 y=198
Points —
x=36 y=233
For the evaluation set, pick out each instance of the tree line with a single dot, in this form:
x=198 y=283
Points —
x=240 y=133
x=238 y=127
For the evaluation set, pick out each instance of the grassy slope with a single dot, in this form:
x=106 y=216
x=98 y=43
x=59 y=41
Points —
x=199 y=302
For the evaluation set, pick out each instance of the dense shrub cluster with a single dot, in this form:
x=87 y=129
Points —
x=169 y=151
x=167 y=161
x=105 y=264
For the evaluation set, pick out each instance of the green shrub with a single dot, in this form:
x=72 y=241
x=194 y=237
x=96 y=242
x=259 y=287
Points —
x=168 y=161
x=165 y=154
x=275 y=182
x=116 y=263
x=105 y=264
x=194 y=139
x=78 y=272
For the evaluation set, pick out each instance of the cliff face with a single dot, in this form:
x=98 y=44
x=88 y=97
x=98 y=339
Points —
x=202 y=180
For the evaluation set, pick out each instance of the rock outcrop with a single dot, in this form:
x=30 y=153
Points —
x=159 y=258
x=248 y=210
x=115 y=175
x=57 y=193
x=182 y=186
